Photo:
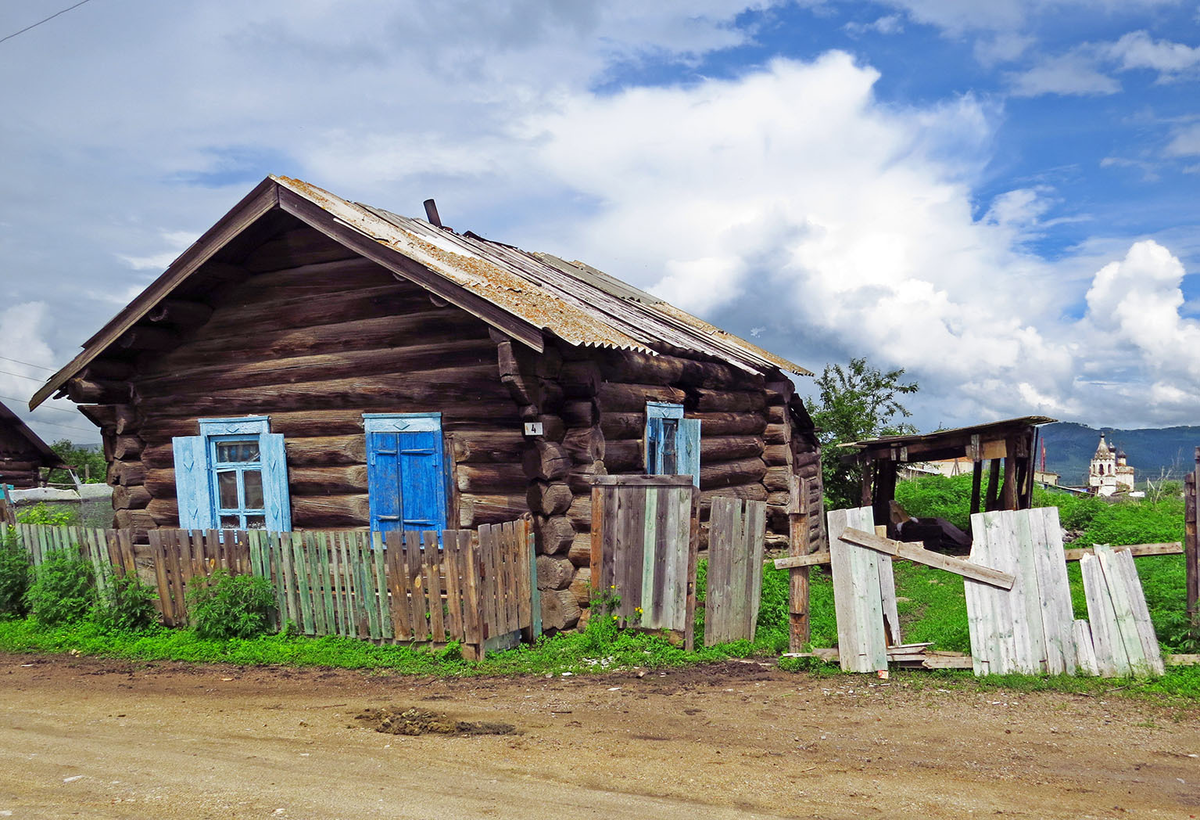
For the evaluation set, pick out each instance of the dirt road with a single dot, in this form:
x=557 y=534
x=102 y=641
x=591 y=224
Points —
x=92 y=738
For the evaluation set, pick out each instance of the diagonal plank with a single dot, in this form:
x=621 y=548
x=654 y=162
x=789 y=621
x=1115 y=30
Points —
x=911 y=552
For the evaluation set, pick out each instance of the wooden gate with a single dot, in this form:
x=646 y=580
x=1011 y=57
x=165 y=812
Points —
x=736 y=532
x=644 y=542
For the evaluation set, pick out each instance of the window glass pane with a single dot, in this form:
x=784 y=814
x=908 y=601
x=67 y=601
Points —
x=230 y=522
x=237 y=451
x=227 y=494
x=254 y=489
x=256 y=522
x=250 y=451
x=670 y=460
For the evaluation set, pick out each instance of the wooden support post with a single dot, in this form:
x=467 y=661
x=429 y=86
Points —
x=1008 y=496
x=798 y=619
x=976 y=485
x=865 y=463
x=993 y=490
x=1190 y=557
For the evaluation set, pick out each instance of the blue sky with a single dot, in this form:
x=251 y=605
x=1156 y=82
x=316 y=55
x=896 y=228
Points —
x=999 y=197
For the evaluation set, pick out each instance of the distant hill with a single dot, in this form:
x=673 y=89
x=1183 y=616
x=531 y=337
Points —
x=1070 y=447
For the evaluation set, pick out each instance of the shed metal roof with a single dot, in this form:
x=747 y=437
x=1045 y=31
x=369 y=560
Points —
x=524 y=294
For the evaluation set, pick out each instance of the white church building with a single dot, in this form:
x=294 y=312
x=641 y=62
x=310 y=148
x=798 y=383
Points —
x=1109 y=474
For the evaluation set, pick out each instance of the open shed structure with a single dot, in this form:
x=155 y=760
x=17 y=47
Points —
x=22 y=453
x=1008 y=446
x=313 y=363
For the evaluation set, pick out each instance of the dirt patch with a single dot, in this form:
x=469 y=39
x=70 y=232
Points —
x=413 y=721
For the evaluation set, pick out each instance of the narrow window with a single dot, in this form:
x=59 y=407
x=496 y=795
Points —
x=406 y=471
x=232 y=476
x=672 y=442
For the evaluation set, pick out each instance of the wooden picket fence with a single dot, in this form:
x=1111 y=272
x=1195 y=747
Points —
x=473 y=587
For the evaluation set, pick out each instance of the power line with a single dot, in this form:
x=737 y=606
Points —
x=28 y=364
x=39 y=22
x=67 y=426
x=21 y=376
x=74 y=413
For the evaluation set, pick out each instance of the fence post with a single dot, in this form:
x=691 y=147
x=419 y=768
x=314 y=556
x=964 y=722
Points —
x=799 y=627
x=1190 y=557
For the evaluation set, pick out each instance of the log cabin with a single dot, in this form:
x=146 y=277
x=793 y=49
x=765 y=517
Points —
x=314 y=363
x=22 y=453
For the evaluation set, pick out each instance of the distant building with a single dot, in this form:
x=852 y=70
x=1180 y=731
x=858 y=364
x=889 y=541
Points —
x=1108 y=473
x=1046 y=479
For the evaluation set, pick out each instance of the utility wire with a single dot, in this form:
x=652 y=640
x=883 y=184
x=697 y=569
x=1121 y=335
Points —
x=46 y=20
x=68 y=426
x=74 y=413
x=22 y=376
x=28 y=364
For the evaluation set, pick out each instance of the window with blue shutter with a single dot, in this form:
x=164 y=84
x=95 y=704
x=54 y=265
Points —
x=232 y=476
x=672 y=442
x=406 y=471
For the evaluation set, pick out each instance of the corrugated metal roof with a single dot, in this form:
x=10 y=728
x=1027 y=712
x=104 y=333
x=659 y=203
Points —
x=579 y=304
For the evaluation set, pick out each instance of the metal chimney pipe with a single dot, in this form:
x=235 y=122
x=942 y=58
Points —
x=431 y=213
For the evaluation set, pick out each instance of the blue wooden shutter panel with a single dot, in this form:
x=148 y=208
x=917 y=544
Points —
x=422 y=494
x=276 y=498
x=383 y=471
x=687 y=448
x=406 y=471
x=191 y=482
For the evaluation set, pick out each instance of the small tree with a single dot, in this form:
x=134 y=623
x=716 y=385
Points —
x=89 y=464
x=854 y=403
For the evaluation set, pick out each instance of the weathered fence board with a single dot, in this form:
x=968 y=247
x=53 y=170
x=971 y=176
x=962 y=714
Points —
x=858 y=605
x=1123 y=638
x=398 y=586
x=1028 y=627
x=644 y=547
x=736 y=533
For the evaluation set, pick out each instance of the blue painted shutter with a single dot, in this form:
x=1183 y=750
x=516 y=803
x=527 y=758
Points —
x=654 y=439
x=687 y=448
x=422 y=484
x=383 y=478
x=276 y=498
x=191 y=482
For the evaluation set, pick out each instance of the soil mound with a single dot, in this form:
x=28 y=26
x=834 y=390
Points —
x=396 y=720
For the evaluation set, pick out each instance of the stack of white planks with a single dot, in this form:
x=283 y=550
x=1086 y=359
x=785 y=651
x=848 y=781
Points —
x=1027 y=628
x=1121 y=638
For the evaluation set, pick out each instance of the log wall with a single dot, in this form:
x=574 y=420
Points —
x=313 y=337
x=20 y=463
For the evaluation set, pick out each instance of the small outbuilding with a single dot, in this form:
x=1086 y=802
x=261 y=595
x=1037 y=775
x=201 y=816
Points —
x=22 y=453
x=313 y=363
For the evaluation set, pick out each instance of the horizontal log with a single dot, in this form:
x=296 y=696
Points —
x=482 y=446
x=300 y=246
x=580 y=551
x=776 y=455
x=145 y=337
x=729 y=401
x=775 y=434
x=127 y=447
x=109 y=368
x=728 y=448
x=629 y=366
x=730 y=424
x=548 y=498
x=580 y=479
x=340 y=480
x=496 y=478
x=130 y=498
x=560 y=610
x=616 y=426
x=623 y=456
x=181 y=313
x=751 y=492
x=579 y=379
x=84 y=391
x=779 y=497
x=126 y=473
x=326 y=451
x=164 y=512
x=341 y=421
x=305 y=281
x=584 y=445
x=777 y=478
x=553 y=534
x=581 y=586
x=730 y=473
x=318 y=512
x=439 y=356
x=389 y=332
x=140 y=520
x=554 y=572
x=101 y=415
x=580 y=513
x=579 y=413
x=474 y=510
x=553 y=428
x=423 y=390
x=776 y=414
x=160 y=482
x=629 y=398
x=545 y=460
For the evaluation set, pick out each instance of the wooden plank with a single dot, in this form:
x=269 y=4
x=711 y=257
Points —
x=977 y=623
x=472 y=604
x=641 y=481
x=364 y=573
x=756 y=530
x=381 y=586
x=1127 y=631
x=312 y=561
x=888 y=603
x=650 y=571
x=172 y=546
x=524 y=580
x=433 y=587
x=303 y=589
x=719 y=552
x=419 y=604
x=1057 y=612
x=165 y=607
x=508 y=554
x=665 y=569
x=451 y=567
x=327 y=575
x=633 y=551
x=675 y=506
x=861 y=641
x=1141 y=613
x=1137 y=550
x=599 y=583
x=535 y=595
x=1110 y=652
x=397 y=589
x=690 y=500
x=911 y=552
x=1085 y=653
x=1026 y=595
x=798 y=561
x=349 y=586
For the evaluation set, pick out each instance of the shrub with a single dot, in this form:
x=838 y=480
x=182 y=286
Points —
x=63 y=591
x=231 y=606
x=126 y=605
x=14 y=576
x=49 y=516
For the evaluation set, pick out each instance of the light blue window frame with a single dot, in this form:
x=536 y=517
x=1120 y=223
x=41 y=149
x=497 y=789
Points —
x=197 y=465
x=672 y=442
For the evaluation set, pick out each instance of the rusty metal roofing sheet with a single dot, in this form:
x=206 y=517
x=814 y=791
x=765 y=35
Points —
x=577 y=303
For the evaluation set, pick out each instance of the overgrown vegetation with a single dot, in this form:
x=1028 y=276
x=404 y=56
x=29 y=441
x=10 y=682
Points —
x=14 y=577
x=46 y=515
x=231 y=606
x=126 y=604
x=63 y=590
x=88 y=464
